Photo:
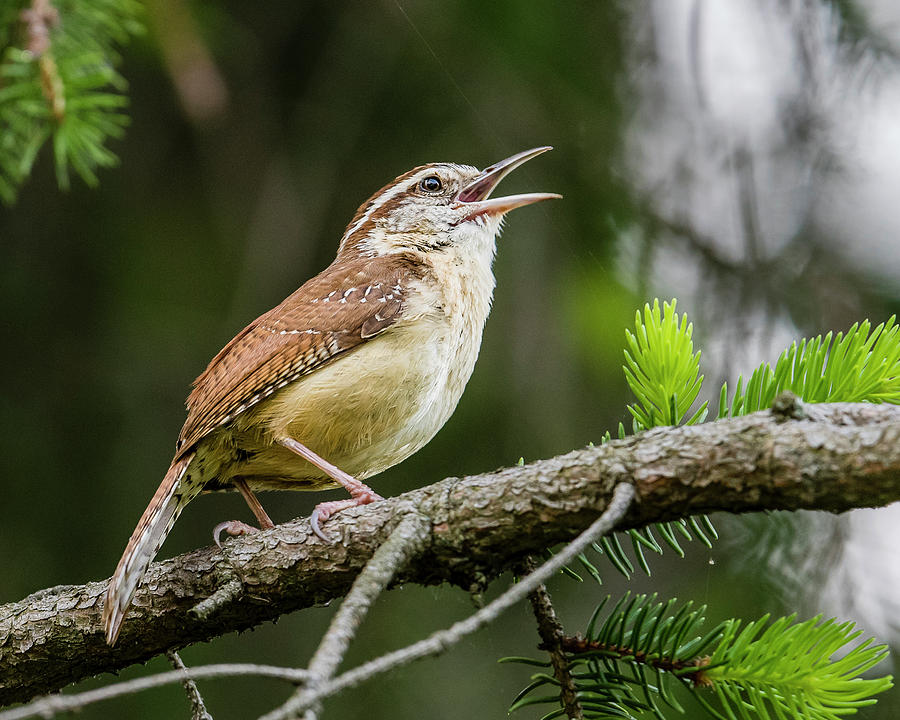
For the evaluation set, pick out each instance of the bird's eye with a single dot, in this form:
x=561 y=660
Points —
x=431 y=184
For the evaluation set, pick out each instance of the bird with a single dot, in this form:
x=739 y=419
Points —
x=352 y=373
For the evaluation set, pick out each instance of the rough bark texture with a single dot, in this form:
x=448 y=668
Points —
x=835 y=457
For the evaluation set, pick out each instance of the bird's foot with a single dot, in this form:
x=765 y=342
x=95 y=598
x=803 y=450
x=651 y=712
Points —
x=325 y=510
x=233 y=528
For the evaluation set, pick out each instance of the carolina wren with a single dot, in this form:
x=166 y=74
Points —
x=352 y=373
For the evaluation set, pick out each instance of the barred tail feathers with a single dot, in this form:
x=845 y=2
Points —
x=155 y=524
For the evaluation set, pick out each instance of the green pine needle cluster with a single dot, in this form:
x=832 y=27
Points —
x=663 y=372
x=628 y=666
x=662 y=369
x=862 y=365
x=786 y=670
x=66 y=90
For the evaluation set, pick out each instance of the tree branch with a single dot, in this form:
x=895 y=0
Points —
x=50 y=705
x=838 y=457
x=551 y=632
x=198 y=707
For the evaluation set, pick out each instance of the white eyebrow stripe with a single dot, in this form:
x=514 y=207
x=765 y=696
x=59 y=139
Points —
x=379 y=202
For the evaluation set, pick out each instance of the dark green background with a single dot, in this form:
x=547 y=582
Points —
x=114 y=299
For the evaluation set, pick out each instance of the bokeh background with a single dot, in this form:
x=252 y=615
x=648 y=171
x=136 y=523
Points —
x=740 y=155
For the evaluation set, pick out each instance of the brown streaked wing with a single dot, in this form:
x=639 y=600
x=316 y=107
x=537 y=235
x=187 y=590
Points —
x=339 y=309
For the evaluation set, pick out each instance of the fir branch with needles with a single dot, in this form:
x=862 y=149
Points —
x=624 y=668
x=861 y=365
x=629 y=665
x=59 y=85
x=663 y=371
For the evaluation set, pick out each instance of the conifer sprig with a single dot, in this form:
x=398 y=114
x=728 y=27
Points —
x=629 y=665
x=663 y=372
x=862 y=365
x=59 y=84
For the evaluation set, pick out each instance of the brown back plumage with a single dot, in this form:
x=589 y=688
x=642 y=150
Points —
x=339 y=309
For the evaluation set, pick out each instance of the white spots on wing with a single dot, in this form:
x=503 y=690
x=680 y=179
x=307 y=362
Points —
x=364 y=295
x=275 y=331
x=322 y=349
x=368 y=291
x=345 y=294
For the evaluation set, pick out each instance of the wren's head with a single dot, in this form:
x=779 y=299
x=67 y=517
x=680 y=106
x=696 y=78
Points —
x=438 y=206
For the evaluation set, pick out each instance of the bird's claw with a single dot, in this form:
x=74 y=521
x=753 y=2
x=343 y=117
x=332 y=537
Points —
x=233 y=528
x=314 y=524
x=325 y=510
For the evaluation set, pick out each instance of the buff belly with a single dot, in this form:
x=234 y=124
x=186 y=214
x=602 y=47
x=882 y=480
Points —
x=365 y=412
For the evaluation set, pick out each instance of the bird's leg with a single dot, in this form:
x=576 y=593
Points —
x=262 y=517
x=236 y=527
x=360 y=493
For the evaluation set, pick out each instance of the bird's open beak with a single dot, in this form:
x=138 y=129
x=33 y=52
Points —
x=474 y=196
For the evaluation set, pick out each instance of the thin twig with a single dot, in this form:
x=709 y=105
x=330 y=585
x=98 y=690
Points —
x=219 y=599
x=54 y=704
x=198 y=707
x=404 y=543
x=552 y=634
x=444 y=639
x=39 y=19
